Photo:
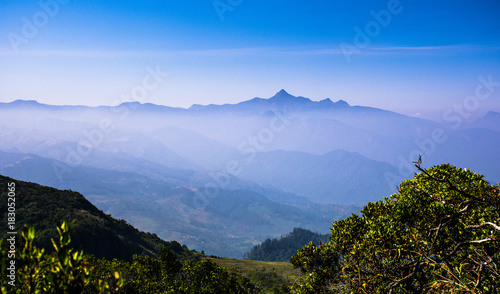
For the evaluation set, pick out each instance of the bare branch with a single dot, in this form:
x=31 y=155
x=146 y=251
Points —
x=495 y=226
x=484 y=240
x=472 y=242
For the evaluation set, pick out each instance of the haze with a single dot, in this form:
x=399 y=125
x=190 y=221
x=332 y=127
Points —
x=419 y=58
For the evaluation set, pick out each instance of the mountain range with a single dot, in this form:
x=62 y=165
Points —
x=241 y=172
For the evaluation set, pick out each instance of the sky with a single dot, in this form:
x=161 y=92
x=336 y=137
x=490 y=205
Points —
x=419 y=58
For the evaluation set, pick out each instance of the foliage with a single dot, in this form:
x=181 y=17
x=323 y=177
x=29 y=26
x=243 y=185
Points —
x=67 y=270
x=440 y=233
x=282 y=249
x=93 y=232
x=166 y=274
x=63 y=271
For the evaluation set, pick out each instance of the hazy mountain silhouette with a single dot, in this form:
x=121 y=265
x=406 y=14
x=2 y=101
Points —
x=284 y=152
x=490 y=120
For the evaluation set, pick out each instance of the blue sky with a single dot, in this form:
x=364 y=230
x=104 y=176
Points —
x=413 y=57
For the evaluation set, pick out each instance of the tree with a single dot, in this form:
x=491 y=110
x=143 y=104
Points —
x=439 y=233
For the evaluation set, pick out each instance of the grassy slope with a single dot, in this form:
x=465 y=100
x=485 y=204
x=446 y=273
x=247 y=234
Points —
x=268 y=275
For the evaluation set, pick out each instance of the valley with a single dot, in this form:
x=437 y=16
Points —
x=222 y=178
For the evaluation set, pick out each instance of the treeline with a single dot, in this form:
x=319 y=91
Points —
x=281 y=250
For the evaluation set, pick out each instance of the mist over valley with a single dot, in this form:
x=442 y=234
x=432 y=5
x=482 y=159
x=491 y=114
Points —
x=221 y=178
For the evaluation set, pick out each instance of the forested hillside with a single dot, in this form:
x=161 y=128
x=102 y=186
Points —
x=282 y=249
x=94 y=231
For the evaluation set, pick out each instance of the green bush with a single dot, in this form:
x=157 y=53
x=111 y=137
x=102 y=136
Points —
x=440 y=233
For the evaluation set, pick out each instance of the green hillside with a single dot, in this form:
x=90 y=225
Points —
x=94 y=232
x=283 y=249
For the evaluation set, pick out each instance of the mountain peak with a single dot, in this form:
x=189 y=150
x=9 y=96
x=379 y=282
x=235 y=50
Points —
x=342 y=103
x=282 y=94
x=25 y=102
x=284 y=97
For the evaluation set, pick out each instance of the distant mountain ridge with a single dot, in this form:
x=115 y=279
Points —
x=315 y=127
x=321 y=176
x=258 y=157
x=491 y=120
x=281 y=98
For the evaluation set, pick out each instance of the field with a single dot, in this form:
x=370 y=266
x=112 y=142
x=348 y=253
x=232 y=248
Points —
x=270 y=276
